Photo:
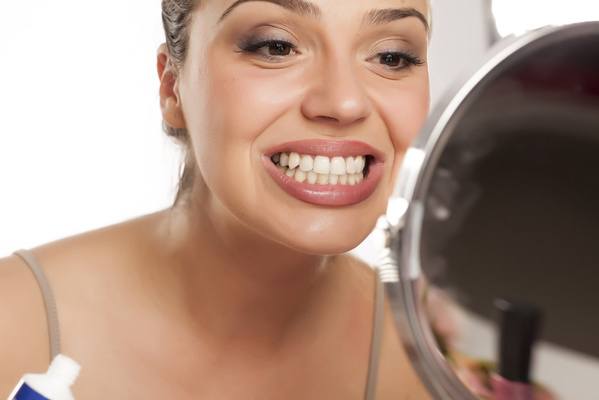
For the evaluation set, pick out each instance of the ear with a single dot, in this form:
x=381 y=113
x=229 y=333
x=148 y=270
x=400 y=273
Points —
x=170 y=102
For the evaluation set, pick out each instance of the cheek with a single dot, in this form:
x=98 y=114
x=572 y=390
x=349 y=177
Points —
x=229 y=107
x=404 y=111
x=242 y=101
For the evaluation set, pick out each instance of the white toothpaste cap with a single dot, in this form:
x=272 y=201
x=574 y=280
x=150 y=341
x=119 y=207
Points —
x=64 y=369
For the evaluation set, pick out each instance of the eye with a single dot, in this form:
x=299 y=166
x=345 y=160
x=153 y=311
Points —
x=397 y=60
x=279 y=48
x=270 y=49
x=392 y=60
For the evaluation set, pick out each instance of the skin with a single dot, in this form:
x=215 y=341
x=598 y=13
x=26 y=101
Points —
x=240 y=291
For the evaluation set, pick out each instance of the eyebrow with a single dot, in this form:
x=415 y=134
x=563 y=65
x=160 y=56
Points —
x=300 y=7
x=387 y=15
x=306 y=8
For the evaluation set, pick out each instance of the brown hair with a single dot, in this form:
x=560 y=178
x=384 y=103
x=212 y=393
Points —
x=176 y=15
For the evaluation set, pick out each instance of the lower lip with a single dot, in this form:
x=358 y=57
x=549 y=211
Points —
x=327 y=195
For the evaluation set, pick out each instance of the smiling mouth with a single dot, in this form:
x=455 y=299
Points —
x=335 y=173
x=323 y=170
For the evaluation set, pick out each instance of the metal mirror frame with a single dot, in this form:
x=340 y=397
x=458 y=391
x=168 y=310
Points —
x=400 y=267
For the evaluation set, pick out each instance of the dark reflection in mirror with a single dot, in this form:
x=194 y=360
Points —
x=513 y=205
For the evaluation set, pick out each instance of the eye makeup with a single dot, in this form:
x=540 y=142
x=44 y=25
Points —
x=267 y=41
x=394 y=54
x=277 y=46
x=398 y=60
x=389 y=52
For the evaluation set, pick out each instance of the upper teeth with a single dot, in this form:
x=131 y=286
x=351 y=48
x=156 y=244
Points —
x=321 y=169
x=321 y=164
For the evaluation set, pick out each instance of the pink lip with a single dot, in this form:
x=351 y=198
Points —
x=327 y=195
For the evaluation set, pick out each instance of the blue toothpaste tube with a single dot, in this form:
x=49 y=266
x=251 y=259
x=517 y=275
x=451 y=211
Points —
x=53 y=385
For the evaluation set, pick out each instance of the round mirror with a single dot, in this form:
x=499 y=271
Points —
x=492 y=272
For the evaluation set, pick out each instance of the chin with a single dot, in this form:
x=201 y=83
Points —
x=325 y=248
x=334 y=239
x=318 y=230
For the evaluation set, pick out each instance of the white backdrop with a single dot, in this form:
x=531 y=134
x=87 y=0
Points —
x=80 y=142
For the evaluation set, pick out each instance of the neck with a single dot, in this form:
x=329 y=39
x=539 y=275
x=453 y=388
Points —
x=235 y=285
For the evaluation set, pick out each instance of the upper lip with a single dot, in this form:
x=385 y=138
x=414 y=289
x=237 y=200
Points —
x=329 y=148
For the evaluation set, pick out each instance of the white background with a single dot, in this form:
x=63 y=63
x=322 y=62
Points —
x=80 y=143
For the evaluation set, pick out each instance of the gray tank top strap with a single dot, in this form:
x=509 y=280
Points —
x=51 y=311
x=377 y=335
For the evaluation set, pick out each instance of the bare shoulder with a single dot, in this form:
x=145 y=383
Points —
x=82 y=271
x=24 y=345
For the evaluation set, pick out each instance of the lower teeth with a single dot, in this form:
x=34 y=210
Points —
x=320 y=179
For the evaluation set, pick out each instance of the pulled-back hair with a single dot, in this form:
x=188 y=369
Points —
x=176 y=15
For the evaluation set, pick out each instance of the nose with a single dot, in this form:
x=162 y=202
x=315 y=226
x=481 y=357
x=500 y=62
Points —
x=336 y=95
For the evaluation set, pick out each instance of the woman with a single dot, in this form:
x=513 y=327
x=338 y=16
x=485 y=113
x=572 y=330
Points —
x=294 y=116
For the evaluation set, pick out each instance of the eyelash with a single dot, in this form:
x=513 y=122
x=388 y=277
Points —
x=407 y=58
x=252 y=48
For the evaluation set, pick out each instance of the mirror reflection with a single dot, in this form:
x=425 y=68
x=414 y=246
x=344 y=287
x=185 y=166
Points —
x=511 y=214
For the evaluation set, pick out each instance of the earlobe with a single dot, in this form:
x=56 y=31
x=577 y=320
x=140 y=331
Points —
x=172 y=113
x=170 y=103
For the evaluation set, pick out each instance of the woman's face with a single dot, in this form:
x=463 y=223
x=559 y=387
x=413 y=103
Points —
x=300 y=112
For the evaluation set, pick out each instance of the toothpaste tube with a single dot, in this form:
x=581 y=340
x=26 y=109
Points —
x=53 y=385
